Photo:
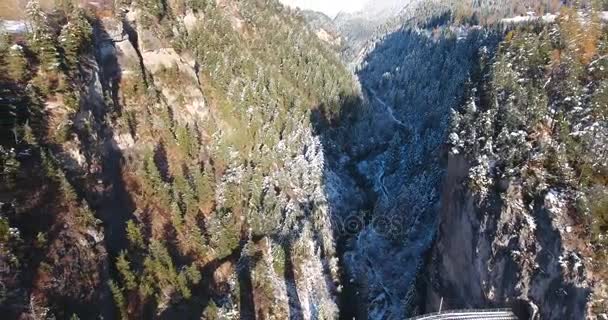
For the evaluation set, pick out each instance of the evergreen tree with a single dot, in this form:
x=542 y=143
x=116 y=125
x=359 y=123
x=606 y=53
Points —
x=75 y=37
x=119 y=300
x=17 y=65
x=41 y=37
x=128 y=278
x=135 y=236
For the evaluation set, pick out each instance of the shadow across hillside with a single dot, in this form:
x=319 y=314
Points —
x=27 y=195
x=64 y=184
x=385 y=158
x=337 y=135
x=102 y=183
x=116 y=205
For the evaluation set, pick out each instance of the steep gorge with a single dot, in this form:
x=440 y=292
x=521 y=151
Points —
x=396 y=144
x=238 y=171
x=502 y=225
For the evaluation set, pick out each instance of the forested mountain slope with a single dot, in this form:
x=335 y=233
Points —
x=361 y=30
x=159 y=162
x=211 y=159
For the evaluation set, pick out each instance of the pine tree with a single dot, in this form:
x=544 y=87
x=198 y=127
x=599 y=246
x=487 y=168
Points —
x=16 y=63
x=134 y=234
x=75 y=37
x=128 y=277
x=9 y=167
x=154 y=8
x=394 y=154
x=205 y=187
x=160 y=273
x=67 y=6
x=41 y=37
x=119 y=300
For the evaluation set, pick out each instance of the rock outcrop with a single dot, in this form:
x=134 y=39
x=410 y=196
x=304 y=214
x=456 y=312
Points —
x=501 y=253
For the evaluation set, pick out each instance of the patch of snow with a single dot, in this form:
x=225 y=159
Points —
x=13 y=26
x=531 y=222
x=14 y=232
x=552 y=199
x=563 y=262
x=530 y=17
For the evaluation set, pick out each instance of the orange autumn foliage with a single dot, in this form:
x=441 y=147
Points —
x=580 y=33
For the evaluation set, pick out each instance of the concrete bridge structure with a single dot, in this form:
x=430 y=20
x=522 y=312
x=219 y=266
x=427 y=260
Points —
x=494 y=314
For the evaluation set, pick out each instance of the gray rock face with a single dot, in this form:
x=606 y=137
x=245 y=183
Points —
x=500 y=252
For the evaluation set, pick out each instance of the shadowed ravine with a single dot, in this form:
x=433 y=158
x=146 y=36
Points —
x=391 y=160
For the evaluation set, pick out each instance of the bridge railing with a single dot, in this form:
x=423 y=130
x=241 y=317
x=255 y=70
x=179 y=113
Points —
x=480 y=311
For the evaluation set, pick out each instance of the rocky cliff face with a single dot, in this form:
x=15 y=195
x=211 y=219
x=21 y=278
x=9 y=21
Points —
x=502 y=253
x=519 y=212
